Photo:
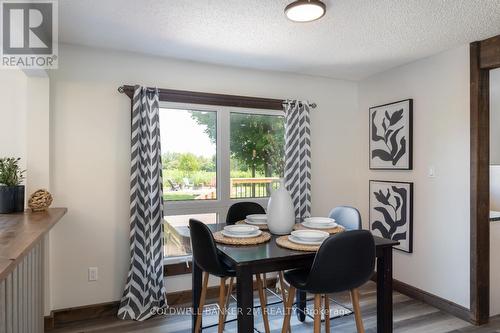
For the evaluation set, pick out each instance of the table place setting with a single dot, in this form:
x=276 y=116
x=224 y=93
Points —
x=241 y=234
x=259 y=220
x=308 y=237
x=241 y=231
x=303 y=240
x=319 y=223
x=305 y=236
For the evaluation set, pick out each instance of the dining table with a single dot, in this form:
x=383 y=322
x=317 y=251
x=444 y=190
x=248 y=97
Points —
x=270 y=257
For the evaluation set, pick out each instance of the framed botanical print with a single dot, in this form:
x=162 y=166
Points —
x=391 y=212
x=391 y=135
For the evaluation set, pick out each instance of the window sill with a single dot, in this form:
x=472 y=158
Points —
x=180 y=268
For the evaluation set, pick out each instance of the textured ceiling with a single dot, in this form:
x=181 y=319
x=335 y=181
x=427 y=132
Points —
x=355 y=39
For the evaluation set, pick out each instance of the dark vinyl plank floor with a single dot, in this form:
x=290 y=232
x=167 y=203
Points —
x=410 y=316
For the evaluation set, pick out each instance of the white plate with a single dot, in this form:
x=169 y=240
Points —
x=319 y=226
x=241 y=229
x=256 y=222
x=228 y=234
x=303 y=242
x=257 y=217
x=319 y=220
x=310 y=235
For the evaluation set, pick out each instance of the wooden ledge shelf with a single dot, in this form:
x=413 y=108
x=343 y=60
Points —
x=20 y=232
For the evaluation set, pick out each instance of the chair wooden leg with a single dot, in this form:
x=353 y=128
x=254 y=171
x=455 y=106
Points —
x=226 y=303
x=317 y=313
x=282 y=286
x=288 y=309
x=283 y=292
x=264 y=281
x=357 y=310
x=327 y=314
x=222 y=304
x=263 y=306
x=203 y=295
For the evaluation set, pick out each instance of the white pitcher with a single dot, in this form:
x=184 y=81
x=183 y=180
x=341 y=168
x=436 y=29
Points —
x=280 y=211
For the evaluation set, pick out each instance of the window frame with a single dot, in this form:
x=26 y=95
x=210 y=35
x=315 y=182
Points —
x=223 y=201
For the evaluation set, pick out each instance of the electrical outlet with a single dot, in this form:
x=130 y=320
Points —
x=93 y=274
x=432 y=172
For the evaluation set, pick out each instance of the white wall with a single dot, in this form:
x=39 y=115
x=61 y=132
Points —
x=495 y=116
x=38 y=133
x=495 y=191
x=13 y=85
x=24 y=133
x=439 y=86
x=24 y=123
x=90 y=128
x=494 y=268
x=495 y=187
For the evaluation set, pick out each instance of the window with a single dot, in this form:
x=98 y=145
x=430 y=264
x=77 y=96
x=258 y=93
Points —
x=188 y=154
x=212 y=157
x=257 y=144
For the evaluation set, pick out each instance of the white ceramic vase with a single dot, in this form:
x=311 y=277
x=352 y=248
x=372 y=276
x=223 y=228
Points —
x=280 y=211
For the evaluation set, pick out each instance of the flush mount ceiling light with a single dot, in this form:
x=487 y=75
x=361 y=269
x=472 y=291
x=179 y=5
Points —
x=305 y=10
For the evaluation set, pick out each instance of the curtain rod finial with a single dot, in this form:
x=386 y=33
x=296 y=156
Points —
x=121 y=90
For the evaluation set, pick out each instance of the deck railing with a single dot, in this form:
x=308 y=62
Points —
x=253 y=187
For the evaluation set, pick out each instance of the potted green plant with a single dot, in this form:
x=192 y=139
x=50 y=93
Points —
x=11 y=190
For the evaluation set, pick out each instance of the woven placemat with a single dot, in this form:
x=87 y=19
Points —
x=262 y=238
x=284 y=242
x=332 y=231
x=260 y=226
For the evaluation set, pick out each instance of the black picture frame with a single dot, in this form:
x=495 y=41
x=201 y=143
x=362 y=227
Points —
x=407 y=244
x=407 y=163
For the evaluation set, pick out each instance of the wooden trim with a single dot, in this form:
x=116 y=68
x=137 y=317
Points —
x=484 y=55
x=64 y=317
x=490 y=53
x=48 y=323
x=431 y=299
x=67 y=316
x=193 y=97
x=436 y=301
x=177 y=269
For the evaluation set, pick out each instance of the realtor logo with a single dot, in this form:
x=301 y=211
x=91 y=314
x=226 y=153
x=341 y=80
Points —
x=29 y=34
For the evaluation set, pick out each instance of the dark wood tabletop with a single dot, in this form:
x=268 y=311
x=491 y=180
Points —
x=270 y=257
x=270 y=251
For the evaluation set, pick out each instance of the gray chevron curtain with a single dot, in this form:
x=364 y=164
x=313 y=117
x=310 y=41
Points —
x=144 y=290
x=298 y=156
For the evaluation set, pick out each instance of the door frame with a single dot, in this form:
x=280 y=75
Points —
x=484 y=56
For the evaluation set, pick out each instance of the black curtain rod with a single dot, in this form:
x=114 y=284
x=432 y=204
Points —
x=183 y=96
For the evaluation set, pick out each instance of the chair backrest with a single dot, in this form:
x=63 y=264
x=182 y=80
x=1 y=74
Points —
x=205 y=252
x=344 y=261
x=347 y=216
x=240 y=210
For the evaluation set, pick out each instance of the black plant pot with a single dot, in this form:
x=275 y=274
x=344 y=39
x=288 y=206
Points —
x=11 y=199
x=19 y=199
x=7 y=199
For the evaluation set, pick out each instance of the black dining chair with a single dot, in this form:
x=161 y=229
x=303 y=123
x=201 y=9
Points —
x=240 y=210
x=347 y=216
x=353 y=254
x=208 y=258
